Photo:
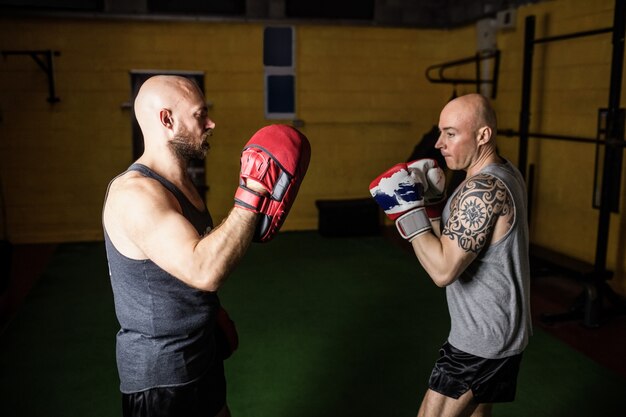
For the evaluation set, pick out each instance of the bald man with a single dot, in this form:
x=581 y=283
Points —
x=167 y=262
x=481 y=258
x=478 y=252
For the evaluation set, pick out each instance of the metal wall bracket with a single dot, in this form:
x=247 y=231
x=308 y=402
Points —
x=45 y=60
x=476 y=60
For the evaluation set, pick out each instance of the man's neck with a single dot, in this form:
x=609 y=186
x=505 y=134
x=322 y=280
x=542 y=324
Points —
x=487 y=158
x=166 y=164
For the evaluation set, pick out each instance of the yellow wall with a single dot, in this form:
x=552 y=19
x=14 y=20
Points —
x=361 y=95
x=570 y=84
x=361 y=92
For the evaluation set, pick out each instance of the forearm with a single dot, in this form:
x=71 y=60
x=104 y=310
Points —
x=431 y=253
x=217 y=254
x=436 y=224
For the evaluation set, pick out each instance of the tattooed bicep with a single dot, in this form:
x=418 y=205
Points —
x=474 y=211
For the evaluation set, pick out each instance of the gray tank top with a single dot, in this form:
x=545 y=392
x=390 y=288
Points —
x=166 y=335
x=489 y=303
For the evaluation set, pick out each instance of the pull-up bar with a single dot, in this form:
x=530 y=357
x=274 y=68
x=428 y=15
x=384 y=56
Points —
x=573 y=35
x=567 y=138
x=529 y=42
x=613 y=136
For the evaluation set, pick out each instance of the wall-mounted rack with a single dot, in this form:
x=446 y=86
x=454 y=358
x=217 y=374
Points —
x=477 y=60
x=45 y=60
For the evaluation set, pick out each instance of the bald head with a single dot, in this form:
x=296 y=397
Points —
x=475 y=110
x=164 y=92
x=468 y=133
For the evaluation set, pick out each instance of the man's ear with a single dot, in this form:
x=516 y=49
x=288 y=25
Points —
x=165 y=116
x=484 y=134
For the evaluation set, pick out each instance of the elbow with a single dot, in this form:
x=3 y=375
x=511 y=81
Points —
x=444 y=275
x=440 y=283
x=210 y=282
x=442 y=280
x=209 y=287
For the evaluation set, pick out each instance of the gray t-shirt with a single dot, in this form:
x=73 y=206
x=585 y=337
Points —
x=489 y=303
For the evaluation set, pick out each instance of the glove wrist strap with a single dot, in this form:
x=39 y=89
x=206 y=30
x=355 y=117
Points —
x=248 y=199
x=413 y=223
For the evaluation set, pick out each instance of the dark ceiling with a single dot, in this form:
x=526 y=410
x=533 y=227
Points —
x=402 y=13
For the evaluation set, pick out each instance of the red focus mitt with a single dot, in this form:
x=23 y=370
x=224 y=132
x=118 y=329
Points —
x=277 y=156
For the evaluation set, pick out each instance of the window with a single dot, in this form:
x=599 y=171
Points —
x=280 y=79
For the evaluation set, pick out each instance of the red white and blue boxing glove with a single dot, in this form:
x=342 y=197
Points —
x=429 y=173
x=401 y=196
x=277 y=157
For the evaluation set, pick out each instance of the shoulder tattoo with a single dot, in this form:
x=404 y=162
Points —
x=475 y=210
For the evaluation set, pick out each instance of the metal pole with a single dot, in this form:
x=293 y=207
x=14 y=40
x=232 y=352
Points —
x=524 y=118
x=478 y=72
x=611 y=152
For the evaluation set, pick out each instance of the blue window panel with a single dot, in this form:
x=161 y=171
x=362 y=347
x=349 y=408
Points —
x=278 y=47
x=281 y=94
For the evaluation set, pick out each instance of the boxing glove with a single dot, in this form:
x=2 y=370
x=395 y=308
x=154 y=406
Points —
x=277 y=157
x=401 y=196
x=428 y=172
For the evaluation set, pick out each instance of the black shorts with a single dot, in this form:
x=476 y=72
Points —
x=204 y=397
x=491 y=380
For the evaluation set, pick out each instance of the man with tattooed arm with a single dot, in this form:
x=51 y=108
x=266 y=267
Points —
x=476 y=246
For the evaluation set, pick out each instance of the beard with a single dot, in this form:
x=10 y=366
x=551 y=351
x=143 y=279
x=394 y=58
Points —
x=186 y=149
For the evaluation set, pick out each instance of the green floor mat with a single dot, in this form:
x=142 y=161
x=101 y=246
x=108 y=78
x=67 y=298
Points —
x=327 y=326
